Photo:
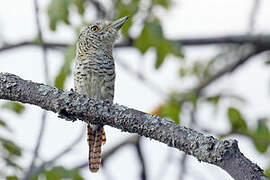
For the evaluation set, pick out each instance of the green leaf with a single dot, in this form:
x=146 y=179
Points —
x=14 y=106
x=213 y=99
x=57 y=12
x=261 y=137
x=171 y=110
x=260 y=146
x=162 y=48
x=267 y=172
x=59 y=172
x=52 y=175
x=37 y=40
x=80 y=5
x=152 y=36
x=12 y=163
x=34 y=178
x=183 y=72
x=3 y=123
x=12 y=148
x=65 y=70
x=176 y=49
x=163 y=3
x=267 y=62
x=145 y=40
x=126 y=9
x=262 y=128
x=238 y=123
x=156 y=29
x=12 y=178
x=197 y=68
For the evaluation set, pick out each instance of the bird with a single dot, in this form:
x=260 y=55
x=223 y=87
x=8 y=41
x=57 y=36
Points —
x=94 y=75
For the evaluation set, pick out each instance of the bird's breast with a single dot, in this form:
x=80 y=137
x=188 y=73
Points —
x=94 y=76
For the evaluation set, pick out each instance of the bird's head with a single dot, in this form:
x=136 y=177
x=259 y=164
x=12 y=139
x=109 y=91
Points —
x=100 y=34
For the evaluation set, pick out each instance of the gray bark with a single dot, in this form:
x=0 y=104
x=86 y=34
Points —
x=72 y=106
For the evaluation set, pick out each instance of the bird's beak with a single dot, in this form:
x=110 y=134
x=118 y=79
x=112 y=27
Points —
x=117 y=24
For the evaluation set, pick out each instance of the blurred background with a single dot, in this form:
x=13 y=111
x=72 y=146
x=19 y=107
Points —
x=204 y=64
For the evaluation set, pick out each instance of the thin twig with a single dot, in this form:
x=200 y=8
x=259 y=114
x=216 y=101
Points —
x=129 y=141
x=164 y=166
x=253 y=15
x=183 y=168
x=184 y=159
x=151 y=85
x=38 y=142
x=228 y=69
x=29 y=173
x=50 y=162
x=44 y=48
x=141 y=159
x=101 y=11
x=67 y=149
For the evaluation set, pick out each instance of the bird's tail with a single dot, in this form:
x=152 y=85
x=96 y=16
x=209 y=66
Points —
x=96 y=138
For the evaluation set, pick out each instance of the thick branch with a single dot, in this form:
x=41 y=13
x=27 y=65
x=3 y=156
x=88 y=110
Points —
x=222 y=153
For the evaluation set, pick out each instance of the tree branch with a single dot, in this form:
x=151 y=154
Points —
x=143 y=173
x=36 y=170
x=32 y=44
x=253 y=15
x=229 y=68
x=101 y=11
x=106 y=155
x=72 y=106
x=46 y=75
x=151 y=85
x=50 y=45
x=260 y=41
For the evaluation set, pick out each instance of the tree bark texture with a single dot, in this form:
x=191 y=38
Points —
x=72 y=106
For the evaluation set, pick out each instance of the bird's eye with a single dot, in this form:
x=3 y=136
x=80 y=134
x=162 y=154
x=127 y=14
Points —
x=94 y=28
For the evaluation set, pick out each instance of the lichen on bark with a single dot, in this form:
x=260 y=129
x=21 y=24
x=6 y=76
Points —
x=72 y=106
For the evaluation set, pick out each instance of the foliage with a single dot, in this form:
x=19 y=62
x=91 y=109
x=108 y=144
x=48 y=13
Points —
x=14 y=107
x=58 y=11
x=10 y=151
x=59 y=173
x=12 y=178
x=150 y=36
x=261 y=136
x=124 y=9
x=170 y=109
x=267 y=172
x=238 y=123
x=65 y=70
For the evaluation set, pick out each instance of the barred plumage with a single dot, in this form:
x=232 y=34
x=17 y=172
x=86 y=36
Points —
x=94 y=75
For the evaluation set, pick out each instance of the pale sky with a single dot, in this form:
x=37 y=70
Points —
x=187 y=18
